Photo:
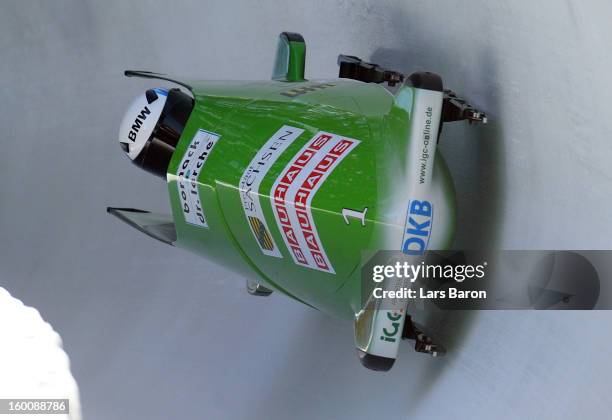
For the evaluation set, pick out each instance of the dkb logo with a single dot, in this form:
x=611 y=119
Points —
x=418 y=227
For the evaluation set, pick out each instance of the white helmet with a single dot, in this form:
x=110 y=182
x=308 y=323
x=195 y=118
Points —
x=140 y=121
x=152 y=126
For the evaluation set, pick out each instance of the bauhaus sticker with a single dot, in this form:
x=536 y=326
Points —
x=292 y=194
x=251 y=180
x=190 y=167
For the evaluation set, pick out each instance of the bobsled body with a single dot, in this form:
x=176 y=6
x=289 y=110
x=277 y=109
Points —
x=294 y=183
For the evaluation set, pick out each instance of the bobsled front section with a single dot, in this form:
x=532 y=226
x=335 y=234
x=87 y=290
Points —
x=417 y=201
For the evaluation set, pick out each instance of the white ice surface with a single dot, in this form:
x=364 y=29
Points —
x=33 y=364
x=154 y=333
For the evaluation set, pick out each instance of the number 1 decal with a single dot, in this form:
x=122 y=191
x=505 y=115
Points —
x=346 y=213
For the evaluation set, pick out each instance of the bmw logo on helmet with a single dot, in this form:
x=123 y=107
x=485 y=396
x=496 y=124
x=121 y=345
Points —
x=152 y=126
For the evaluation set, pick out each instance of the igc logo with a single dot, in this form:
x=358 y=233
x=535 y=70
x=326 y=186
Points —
x=390 y=333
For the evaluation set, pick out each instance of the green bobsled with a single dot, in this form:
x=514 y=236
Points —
x=292 y=183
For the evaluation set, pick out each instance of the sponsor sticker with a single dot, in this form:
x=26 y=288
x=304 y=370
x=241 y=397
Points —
x=292 y=194
x=423 y=138
x=251 y=180
x=417 y=229
x=292 y=93
x=425 y=120
x=190 y=167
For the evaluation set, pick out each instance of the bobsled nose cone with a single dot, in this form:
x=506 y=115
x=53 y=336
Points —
x=152 y=127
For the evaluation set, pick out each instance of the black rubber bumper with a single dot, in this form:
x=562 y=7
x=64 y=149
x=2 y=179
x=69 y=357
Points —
x=426 y=80
x=374 y=362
